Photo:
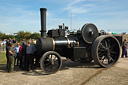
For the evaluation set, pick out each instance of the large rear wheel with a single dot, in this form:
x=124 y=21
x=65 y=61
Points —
x=105 y=50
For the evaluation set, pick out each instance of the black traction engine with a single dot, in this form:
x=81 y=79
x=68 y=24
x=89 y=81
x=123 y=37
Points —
x=84 y=45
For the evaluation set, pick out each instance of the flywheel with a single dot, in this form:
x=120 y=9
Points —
x=89 y=33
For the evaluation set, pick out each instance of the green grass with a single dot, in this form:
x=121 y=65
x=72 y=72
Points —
x=3 y=58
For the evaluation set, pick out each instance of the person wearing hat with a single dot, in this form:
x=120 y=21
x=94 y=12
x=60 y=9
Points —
x=11 y=59
x=124 y=49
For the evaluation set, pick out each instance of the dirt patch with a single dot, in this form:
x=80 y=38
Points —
x=71 y=73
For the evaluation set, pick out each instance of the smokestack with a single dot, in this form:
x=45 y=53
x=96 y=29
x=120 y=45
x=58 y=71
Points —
x=43 y=22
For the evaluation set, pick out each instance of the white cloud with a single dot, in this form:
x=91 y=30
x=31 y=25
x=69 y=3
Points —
x=75 y=2
x=82 y=6
x=75 y=8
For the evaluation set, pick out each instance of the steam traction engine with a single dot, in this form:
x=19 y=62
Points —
x=85 y=45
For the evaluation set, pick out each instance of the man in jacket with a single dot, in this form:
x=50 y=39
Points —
x=124 y=49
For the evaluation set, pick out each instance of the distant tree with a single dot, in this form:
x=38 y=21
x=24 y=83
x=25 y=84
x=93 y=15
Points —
x=20 y=35
x=35 y=35
x=27 y=35
x=1 y=35
x=7 y=37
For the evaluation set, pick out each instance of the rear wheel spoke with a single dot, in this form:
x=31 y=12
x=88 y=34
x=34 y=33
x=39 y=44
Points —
x=106 y=44
x=102 y=46
x=101 y=54
x=111 y=58
x=113 y=52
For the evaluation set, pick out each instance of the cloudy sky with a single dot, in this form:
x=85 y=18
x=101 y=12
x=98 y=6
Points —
x=17 y=15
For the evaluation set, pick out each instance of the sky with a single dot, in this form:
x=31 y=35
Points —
x=24 y=15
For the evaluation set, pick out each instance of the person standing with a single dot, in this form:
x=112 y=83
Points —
x=4 y=44
x=14 y=41
x=23 y=54
x=9 y=40
x=11 y=58
x=36 y=56
x=17 y=56
x=29 y=58
x=124 y=49
x=8 y=45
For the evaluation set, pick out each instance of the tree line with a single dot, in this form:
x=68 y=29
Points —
x=21 y=35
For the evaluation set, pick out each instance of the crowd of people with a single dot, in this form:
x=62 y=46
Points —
x=21 y=54
x=4 y=42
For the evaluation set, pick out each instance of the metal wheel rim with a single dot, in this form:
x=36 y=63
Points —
x=108 y=51
x=51 y=63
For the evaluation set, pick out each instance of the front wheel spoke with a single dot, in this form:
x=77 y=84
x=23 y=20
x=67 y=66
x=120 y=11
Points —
x=47 y=64
x=55 y=66
x=57 y=62
x=48 y=57
x=47 y=60
x=48 y=68
x=51 y=68
x=54 y=58
x=51 y=57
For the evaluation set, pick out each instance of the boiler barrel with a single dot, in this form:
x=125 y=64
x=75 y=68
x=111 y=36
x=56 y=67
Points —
x=48 y=44
x=65 y=42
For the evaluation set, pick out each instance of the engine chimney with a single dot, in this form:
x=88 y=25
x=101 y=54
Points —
x=43 y=22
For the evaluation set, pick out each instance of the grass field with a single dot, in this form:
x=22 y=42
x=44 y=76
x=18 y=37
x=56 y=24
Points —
x=3 y=58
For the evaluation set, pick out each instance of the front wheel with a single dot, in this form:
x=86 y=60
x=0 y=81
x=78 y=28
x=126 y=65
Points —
x=50 y=62
x=105 y=50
